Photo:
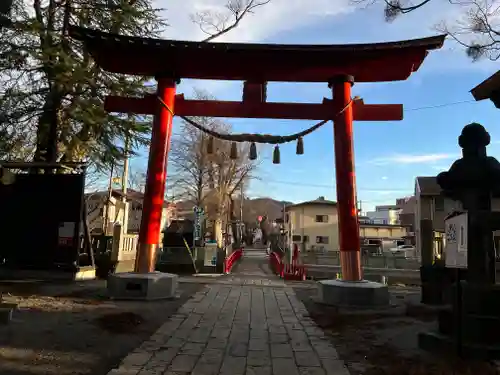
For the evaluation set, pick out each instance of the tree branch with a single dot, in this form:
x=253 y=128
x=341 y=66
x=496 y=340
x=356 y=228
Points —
x=216 y=24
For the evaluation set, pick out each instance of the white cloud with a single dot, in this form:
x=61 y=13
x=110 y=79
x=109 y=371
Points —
x=273 y=18
x=412 y=159
x=385 y=178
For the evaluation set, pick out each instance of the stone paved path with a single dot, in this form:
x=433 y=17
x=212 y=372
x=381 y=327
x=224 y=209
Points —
x=238 y=329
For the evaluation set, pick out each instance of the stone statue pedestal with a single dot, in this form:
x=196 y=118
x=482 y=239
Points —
x=142 y=286
x=362 y=293
x=470 y=326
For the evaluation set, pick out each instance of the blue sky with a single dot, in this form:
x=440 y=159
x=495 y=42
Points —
x=389 y=155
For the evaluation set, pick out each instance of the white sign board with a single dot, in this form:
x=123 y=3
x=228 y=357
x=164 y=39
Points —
x=456 y=241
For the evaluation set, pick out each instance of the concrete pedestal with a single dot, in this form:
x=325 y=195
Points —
x=142 y=286
x=362 y=293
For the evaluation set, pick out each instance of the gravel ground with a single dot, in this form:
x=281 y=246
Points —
x=74 y=329
x=384 y=342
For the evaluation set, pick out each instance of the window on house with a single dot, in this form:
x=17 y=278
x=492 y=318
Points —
x=461 y=236
x=322 y=218
x=322 y=239
x=296 y=238
x=287 y=218
x=439 y=203
x=305 y=239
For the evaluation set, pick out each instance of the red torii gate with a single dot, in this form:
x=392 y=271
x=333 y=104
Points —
x=255 y=64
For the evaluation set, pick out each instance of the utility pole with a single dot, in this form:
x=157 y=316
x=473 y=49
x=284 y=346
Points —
x=108 y=201
x=125 y=170
x=125 y=186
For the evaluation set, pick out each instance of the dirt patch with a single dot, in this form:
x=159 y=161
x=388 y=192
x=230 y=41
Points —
x=74 y=329
x=385 y=342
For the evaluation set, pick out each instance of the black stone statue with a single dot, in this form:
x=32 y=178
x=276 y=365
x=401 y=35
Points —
x=473 y=180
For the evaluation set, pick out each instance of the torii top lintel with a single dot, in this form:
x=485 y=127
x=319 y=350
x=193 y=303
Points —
x=377 y=62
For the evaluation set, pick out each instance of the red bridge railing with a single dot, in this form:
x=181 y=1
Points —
x=231 y=260
x=275 y=263
x=292 y=271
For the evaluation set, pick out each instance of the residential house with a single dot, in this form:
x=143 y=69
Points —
x=96 y=213
x=432 y=205
x=407 y=207
x=314 y=225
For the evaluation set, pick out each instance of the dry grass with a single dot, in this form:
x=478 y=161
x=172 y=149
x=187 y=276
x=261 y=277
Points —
x=119 y=323
x=384 y=342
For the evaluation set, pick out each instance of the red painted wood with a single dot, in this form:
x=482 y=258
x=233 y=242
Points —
x=373 y=62
x=291 y=111
x=346 y=178
x=150 y=229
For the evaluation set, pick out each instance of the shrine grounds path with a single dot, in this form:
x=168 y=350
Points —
x=246 y=323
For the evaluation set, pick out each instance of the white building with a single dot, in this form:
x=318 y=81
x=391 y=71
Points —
x=96 y=214
x=388 y=215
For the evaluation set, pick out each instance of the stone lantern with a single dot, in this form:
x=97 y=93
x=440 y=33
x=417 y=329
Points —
x=470 y=327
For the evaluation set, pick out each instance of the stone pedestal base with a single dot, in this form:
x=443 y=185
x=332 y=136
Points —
x=353 y=293
x=473 y=324
x=142 y=286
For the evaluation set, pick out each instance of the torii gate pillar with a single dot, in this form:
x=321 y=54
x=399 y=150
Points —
x=154 y=194
x=350 y=258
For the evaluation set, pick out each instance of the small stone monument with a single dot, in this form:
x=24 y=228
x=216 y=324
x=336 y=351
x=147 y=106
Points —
x=471 y=326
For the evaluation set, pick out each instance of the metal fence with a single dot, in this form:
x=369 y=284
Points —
x=368 y=260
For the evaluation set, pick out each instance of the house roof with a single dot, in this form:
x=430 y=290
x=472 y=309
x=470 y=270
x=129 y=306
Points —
x=427 y=186
x=316 y=202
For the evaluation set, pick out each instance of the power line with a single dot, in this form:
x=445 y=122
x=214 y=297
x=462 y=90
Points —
x=296 y=183
x=439 y=105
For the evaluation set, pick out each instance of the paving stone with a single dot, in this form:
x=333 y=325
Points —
x=258 y=358
x=258 y=344
x=216 y=343
x=259 y=370
x=192 y=348
x=307 y=359
x=238 y=325
x=137 y=359
x=284 y=366
x=212 y=356
x=301 y=346
x=281 y=351
x=278 y=338
x=238 y=349
x=311 y=371
x=183 y=363
x=202 y=368
x=334 y=367
x=233 y=366
x=175 y=342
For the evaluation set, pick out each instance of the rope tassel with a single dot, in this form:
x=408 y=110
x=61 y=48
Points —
x=300 y=146
x=234 y=151
x=276 y=155
x=253 y=151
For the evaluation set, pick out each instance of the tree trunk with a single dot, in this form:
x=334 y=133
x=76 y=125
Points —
x=218 y=232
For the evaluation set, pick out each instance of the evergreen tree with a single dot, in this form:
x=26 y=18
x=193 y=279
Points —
x=51 y=91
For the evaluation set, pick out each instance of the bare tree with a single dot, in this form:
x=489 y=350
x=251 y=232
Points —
x=208 y=179
x=478 y=31
x=137 y=179
x=215 y=24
